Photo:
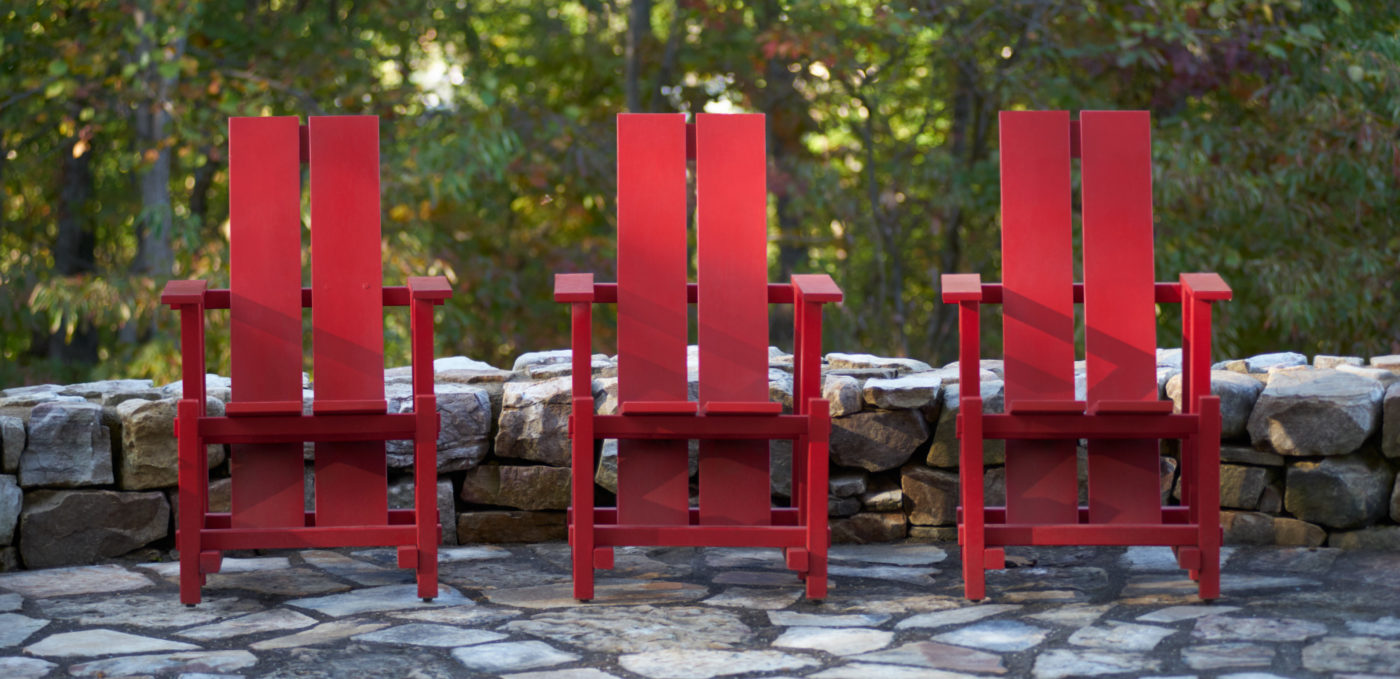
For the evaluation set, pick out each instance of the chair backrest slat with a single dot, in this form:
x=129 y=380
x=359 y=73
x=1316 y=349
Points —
x=1038 y=305
x=1119 y=312
x=732 y=315
x=265 y=347
x=347 y=313
x=653 y=476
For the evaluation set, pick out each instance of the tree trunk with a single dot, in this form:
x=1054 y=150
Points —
x=638 y=32
x=73 y=250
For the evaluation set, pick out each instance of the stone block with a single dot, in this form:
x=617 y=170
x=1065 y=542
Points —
x=1309 y=412
x=934 y=533
x=149 y=456
x=510 y=526
x=1294 y=533
x=1240 y=486
x=901 y=366
x=1325 y=361
x=1384 y=538
x=868 y=527
x=535 y=421
x=11 y=501
x=932 y=495
x=1247 y=528
x=68 y=447
x=401 y=497
x=907 y=392
x=1339 y=492
x=876 y=440
x=11 y=443
x=464 y=412
x=1238 y=394
x=530 y=487
x=68 y=527
x=1390 y=427
x=842 y=393
x=883 y=494
x=943 y=449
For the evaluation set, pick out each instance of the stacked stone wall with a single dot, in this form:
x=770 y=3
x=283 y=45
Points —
x=1309 y=453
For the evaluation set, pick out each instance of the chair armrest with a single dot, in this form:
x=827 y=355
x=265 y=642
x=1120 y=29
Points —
x=429 y=287
x=961 y=287
x=573 y=287
x=816 y=287
x=180 y=293
x=1205 y=286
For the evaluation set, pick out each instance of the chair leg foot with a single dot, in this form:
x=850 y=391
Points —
x=428 y=599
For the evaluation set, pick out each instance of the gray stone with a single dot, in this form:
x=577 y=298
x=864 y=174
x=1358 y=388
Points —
x=943 y=448
x=847 y=482
x=861 y=670
x=1384 y=627
x=290 y=582
x=534 y=359
x=1238 y=394
x=534 y=423
x=464 y=416
x=401 y=497
x=323 y=633
x=386 y=598
x=1385 y=538
x=932 y=494
x=522 y=487
x=510 y=656
x=634 y=629
x=606 y=592
x=1384 y=377
x=863 y=361
x=915 y=576
x=934 y=656
x=68 y=447
x=956 y=616
x=1294 y=533
x=467 y=616
x=79 y=580
x=1339 y=492
x=1247 y=528
x=842 y=393
x=793 y=619
x=1002 y=636
x=67 y=527
x=1243 y=455
x=215 y=386
x=166 y=664
x=15 y=667
x=11 y=500
x=425 y=634
x=356 y=570
x=704 y=664
x=916 y=390
x=841 y=507
x=575 y=673
x=1390 y=427
x=877 y=440
x=1315 y=412
x=840 y=641
x=1060 y=664
x=1353 y=654
x=143 y=610
x=896 y=555
x=1121 y=636
x=1395 y=501
x=755 y=599
x=1325 y=361
x=1390 y=362
x=274 y=620
x=10 y=602
x=149 y=455
x=867 y=527
x=94 y=642
x=1263 y=363
x=1188 y=612
x=510 y=526
x=21 y=405
x=883 y=495
x=1220 y=627
x=11 y=443
x=1221 y=656
x=15 y=628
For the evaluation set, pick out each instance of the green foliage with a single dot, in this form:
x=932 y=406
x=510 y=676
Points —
x=1275 y=140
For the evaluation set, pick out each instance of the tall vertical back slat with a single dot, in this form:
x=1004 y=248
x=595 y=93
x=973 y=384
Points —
x=265 y=348
x=1119 y=314
x=652 y=475
x=347 y=313
x=1038 y=333
x=732 y=243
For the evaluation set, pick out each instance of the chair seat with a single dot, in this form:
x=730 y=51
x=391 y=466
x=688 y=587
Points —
x=1050 y=407
x=1132 y=408
x=659 y=408
x=261 y=408
x=743 y=408
x=350 y=407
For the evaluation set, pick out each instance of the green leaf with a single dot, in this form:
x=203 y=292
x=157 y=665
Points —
x=168 y=69
x=58 y=67
x=1344 y=6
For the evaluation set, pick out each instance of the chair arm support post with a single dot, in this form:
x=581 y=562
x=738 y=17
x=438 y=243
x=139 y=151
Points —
x=581 y=352
x=969 y=354
x=809 y=292
x=1198 y=291
x=435 y=288
x=187 y=297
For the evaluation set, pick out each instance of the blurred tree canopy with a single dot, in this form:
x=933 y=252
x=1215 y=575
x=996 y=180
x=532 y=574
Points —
x=1276 y=145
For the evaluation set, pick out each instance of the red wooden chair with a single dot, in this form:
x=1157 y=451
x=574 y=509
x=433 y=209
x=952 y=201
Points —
x=734 y=418
x=1122 y=418
x=264 y=419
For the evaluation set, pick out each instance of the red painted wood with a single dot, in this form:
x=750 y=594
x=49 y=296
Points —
x=265 y=347
x=779 y=516
x=1119 y=315
x=702 y=536
x=743 y=408
x=653 y=476
x=659 y=408
x=732 y=247
x=971 y=532
x=1038 y=314
x=1061 y=426
x=1170 y=515
x=1092 y=534
x=661 y=427
x=348 y=324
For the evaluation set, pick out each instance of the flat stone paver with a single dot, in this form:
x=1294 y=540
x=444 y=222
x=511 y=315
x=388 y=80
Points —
x=894 y=612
